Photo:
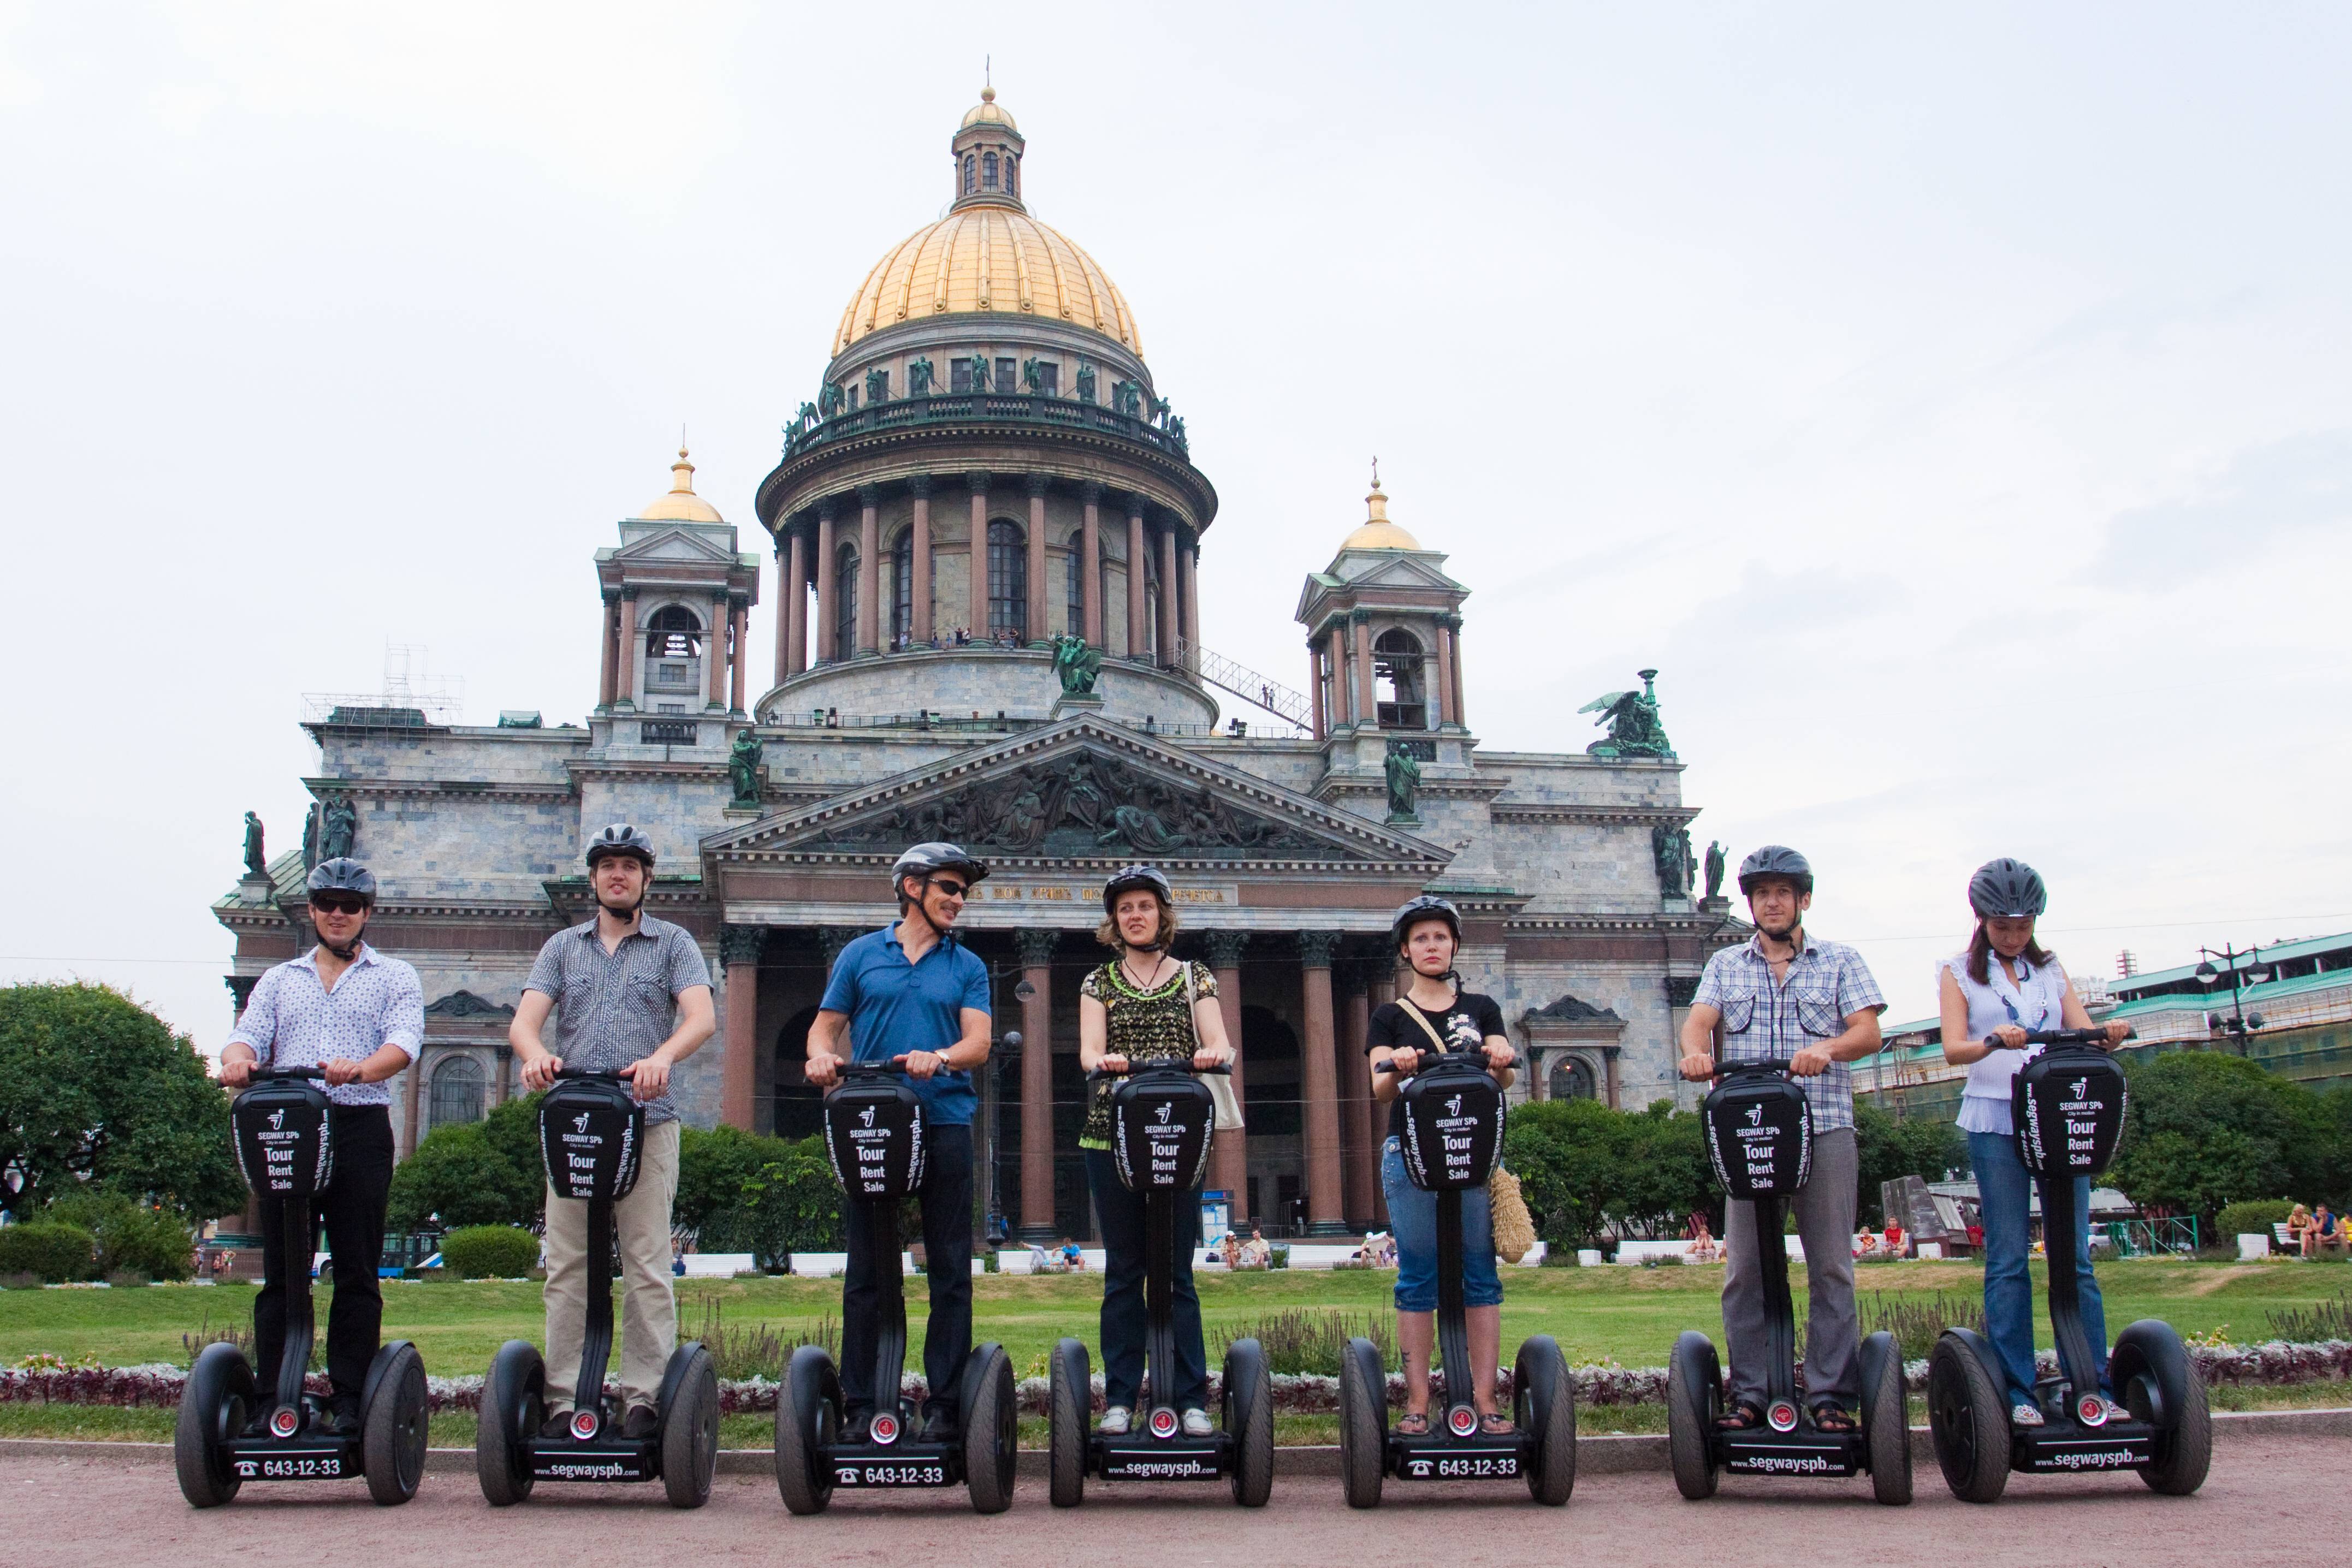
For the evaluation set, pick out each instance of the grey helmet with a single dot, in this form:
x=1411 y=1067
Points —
x=1428 y=906
x=2007 y=889
x=621 y=838
x=924 y=858
x=1776 y=861
x=343 y=874
x=1135 y=877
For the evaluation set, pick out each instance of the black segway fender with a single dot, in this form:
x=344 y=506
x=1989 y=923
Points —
x=1967 y=1417
x=2159 y=1384
x=674 y=1376
x=991 y=1430
x=214 y=1404
x=1981 y=1348
x=1885 y=1418
x=1544 y=1391
x=808 y=1420
x=1070 y=1409
x=689 y=1425
x=1694 y=1400
x=393 y=1421
x=513 y=1396
x=1363 y=1423
x=1249 y=1417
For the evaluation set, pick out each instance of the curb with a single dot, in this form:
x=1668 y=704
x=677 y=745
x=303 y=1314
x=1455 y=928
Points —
x=1595 y=1455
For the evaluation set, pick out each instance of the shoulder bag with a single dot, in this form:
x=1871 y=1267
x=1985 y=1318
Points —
x=1220 y=1085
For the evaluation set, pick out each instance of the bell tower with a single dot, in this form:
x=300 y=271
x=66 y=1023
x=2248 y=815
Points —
x=678 y=599
x=988 y=151
x=1384 y=639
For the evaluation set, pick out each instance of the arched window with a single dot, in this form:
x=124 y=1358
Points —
x=1396 y=680
x=970 y=174
x=1012 y=175
x=673 y=660
x=1571 y=1079
x=1076 y=578
x=902 y=594
x=844 y=605
x=1008 y=582
x=456 y=1093
x=988 y=172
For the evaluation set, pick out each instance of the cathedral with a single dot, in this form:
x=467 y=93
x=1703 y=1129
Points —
x=989 y=544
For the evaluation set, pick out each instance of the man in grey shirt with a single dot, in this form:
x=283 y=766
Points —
x=630 y=995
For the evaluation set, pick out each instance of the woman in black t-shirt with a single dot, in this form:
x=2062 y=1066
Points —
x=1427 y=932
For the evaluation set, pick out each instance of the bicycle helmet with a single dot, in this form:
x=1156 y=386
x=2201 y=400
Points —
x=1776 y=861
x=1133 y=878
x=1426 y=907
x=621 y=838
x=924 y=858
x=2007 y=889
x=342 y=875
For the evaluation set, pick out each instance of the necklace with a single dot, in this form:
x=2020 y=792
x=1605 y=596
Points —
x=1157 y=960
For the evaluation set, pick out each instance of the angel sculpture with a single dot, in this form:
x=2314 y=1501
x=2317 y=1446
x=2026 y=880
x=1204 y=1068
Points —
x=1632 y=721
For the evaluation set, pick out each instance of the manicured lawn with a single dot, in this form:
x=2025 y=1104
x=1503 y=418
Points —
x=1630 y=1315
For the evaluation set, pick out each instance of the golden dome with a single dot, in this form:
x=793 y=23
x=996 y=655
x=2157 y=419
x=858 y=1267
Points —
x=986 y=112
x=681 y=505
x=1378 y=532
x=988 y=257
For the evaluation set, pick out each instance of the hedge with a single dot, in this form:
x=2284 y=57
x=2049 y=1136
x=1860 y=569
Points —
x=489 y=1252
x=2252 y=1217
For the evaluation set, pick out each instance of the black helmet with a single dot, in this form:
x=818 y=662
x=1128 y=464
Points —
x=1428 y=906
x=621 y=838
x=1131 y=878
x=924 y=858
x=2007 y=889
x=1776 y=861
x=343 y=874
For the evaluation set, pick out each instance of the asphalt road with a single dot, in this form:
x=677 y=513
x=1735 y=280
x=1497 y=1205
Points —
x=2255 y=1510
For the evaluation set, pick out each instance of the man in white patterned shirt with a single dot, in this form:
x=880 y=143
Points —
x=360 y=1014
x=1784 y=996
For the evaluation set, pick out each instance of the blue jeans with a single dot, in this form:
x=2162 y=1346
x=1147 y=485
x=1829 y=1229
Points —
x=1413 y=1213
x=2004 y=1186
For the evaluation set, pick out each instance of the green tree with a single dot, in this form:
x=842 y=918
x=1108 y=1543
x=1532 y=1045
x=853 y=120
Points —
x=463 y=1174
x=2208 y=1129
x=791 y=1204
x=1589 y=1172
x=713 y=1168
x=1886 y=1149
x=96 y=1089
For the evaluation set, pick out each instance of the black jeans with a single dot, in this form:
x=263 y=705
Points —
x=945 y=1196
x=351 y=1209
x=1125 y=1315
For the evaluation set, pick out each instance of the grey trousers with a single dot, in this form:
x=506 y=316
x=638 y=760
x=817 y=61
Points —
x=1824 y=1212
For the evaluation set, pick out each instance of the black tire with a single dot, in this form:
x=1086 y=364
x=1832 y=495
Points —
x=1885 y=1419
x=992 y=1434
x=689 y=1433
x=1543 y=1397
x=1968 y=1422
x=1069 y=1407
x=1694 y=1400
x=1363 y=1423
x=215 y=1404
x=1249 y=1417
x=393 y=1428
x=808 y=1421
x=2161 y=1384
x=513 y=1404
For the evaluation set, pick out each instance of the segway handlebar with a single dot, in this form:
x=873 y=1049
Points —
x=286 y=1074
x=2053 y=1037
x=1388 y=1063
x=1222 y=1070
x=1763 y=1064
x=590 y=1072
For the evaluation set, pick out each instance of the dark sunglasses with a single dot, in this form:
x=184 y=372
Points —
x=953 y=889
x=338 y=902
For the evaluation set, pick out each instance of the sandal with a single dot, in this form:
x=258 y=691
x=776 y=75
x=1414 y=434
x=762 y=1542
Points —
x=1830 y=1417
x=1412 y=1425
x=1495 y=1424
x=1744 y=1415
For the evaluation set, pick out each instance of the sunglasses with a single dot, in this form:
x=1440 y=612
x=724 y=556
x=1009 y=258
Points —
x=338 y=902
x=953 y=889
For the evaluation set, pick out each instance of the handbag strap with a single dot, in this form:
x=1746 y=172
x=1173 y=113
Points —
x=1412 y=1010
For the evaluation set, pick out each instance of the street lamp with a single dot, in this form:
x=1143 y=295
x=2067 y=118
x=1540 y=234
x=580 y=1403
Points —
x=2256 y=972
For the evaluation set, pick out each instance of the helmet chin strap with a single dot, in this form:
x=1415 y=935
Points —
x=350 y=950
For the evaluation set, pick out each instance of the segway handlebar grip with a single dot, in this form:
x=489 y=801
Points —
x=2051 y=1037
x=589 y=1073
x=872 y=1068
x=1222 y=1070
x=1769 y=1065
x=286 y=1074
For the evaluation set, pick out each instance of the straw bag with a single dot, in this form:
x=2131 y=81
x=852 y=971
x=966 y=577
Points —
x=1220 y=1085
x=1514 y=1227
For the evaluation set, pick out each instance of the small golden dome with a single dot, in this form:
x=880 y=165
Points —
x=1378 y=532
x=681 y=505
x=986 y=112
x=988 y=257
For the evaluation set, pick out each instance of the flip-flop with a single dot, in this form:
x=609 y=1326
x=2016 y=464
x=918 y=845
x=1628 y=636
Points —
x=1411 y=1426
x=1495 y=1424
x=1832 y=1418
x=1745 y=1416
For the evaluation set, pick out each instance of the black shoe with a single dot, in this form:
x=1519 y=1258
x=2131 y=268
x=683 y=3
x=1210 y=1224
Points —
x=557 y=1426
x=857 y=1428
x=938 y=1426
x=642 y=1422
x=258 y=1425
x=344 y=1417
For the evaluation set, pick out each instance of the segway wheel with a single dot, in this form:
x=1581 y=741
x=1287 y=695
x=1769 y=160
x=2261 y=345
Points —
x=213 y=1405
x=992 y=1434
x=1363 y=1423
x=1694 y=1400
x=690 y=1431
x=808 y=1420
x=1070 y=1407
x=513 y=1396
x=1249 y=1417
x=1885 y=1419
x=394 y=1427
x=2161 y=1386
x=1968 y=1421
x=1543 y=1392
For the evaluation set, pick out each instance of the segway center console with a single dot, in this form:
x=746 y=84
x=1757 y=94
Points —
x=2067 y=1105
x=591 y=1132
x=1452 y=1131
x=1759 y=1140
x=874 y=1134
x=1163 y=1123
x=227 y=1434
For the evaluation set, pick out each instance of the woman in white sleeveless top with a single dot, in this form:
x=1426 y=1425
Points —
x=2003 y=984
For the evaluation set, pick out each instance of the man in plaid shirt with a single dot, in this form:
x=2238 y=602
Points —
x=1783 y=995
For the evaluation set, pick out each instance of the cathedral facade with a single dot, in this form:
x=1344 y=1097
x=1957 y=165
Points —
x=988 y=535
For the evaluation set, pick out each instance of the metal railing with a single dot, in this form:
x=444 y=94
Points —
x=1016 y=408
x=1230 y=674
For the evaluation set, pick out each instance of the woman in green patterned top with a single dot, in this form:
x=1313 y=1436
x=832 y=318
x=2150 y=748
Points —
x=1133 y=1009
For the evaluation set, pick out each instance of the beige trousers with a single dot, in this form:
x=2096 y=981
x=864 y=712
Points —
x=648 y=1309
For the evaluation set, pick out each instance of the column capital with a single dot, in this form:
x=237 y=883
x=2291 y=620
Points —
x=1138 y=504
x=609 y=595
x=1039 y=486
x=240 y=987
x=1358 y=616
x=741 y=943
x=869 y=493
x=1035 y=947
x=833 y=938
x=1091 y=492
x=1224 y=947
x=629 y=593
x=1316 y=948
x=919 y=483
x=978 y=481
x=827 y=508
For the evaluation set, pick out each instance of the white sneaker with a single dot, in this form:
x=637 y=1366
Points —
x=2115 y=1411
x=2025 y=1413
x=1116 y=1421
x=1198 y=1425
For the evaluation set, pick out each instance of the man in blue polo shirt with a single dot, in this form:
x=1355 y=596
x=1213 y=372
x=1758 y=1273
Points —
x=911 y=992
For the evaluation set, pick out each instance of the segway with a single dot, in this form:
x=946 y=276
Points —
x=285 y=1145
x=1759 y=1139
x=592 y=1134
x=1453 y=1129
x=2067 y=1105
x=1163 y=1123
x=873 y=1135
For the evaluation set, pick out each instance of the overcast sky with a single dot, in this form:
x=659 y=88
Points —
x=1951 y=402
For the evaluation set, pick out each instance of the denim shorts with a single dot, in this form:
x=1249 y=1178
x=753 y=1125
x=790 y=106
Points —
x=1413 y=1213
